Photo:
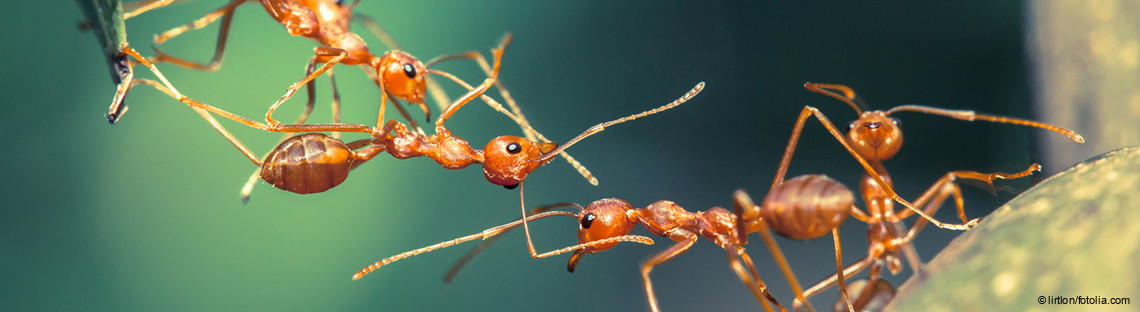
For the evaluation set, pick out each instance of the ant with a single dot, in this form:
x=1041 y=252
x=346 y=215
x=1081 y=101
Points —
x=314 y=162
x=875 y=137
x=398 y=74
x=605 y=223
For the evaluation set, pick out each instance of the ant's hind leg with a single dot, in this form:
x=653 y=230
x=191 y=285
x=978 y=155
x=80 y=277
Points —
x=227 y=15
x=751 y=277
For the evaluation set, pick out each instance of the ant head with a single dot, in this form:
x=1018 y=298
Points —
x=403 y=76
x=508 y=159
x=604 y=218
x=875 y=135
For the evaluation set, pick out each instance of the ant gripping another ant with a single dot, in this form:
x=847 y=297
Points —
x=398 y=74
x=314 y=162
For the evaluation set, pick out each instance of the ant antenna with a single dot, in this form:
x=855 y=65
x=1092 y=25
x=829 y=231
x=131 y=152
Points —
x=825 y=89
x=969 y=115
x=482 y=235
x=488 y=241
x=491 y=232
x=602 y=126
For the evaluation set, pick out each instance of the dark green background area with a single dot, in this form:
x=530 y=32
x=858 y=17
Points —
x=144 y=214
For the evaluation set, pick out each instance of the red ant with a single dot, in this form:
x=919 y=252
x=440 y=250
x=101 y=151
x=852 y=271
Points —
x=871 y=139
x=314 y=162
x=398 y=74
x=606 y=222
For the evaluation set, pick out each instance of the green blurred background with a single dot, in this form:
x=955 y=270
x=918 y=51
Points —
x=145 y=214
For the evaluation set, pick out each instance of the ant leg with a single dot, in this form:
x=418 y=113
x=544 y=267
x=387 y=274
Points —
x=384 y=100
x=321 y=52
x=949 y=181
x=746 y=209
x=461 y=101
x=169 y=89
x=488 y=241
x=172 y=92
x=751 y=278
x=945 y=187
x=205 y=115
x=515 y=112
x=525 y=125
x=666 y=255
x=850 y=270
x=335 y=101
x=139 y=7
x=310 y=88
x=227 y=12
x=839 y=269
x=860 y=215
x=809 y=111
x=404 y=112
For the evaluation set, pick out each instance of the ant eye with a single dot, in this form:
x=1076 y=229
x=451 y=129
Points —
x=339 y=3
x=510 y=187
x=898 y=123
x=851 y=126
x=588 y=220
x=410 y=70
x=514 y=148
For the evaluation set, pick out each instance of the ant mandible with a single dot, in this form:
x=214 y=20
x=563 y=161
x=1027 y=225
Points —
x=871 y=139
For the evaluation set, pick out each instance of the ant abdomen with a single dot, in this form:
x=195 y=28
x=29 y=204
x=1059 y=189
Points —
x=308 y=163
x=807 y=206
